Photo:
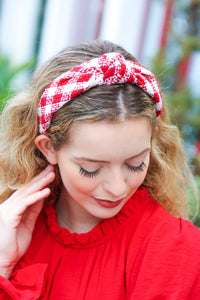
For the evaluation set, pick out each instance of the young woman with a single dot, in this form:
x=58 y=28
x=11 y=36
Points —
x=93 y=178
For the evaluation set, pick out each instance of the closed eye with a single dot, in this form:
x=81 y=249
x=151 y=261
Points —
x=89 y=174
x=139 y=168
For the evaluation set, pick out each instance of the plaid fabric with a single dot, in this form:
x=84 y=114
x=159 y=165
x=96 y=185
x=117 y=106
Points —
x=108 y=69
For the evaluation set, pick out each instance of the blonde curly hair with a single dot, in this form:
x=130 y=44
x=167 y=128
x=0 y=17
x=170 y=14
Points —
x=168 y=173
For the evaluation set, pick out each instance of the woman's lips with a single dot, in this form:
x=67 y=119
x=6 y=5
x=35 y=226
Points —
x=107 y=203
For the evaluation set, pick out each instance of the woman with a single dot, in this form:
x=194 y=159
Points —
x=105 y=217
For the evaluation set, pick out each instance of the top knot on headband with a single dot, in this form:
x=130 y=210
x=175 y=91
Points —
x=108 y=69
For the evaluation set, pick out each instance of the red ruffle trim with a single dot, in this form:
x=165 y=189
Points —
x=104 y=229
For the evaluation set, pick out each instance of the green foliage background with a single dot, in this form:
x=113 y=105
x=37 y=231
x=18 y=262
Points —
x=8 y=73
x=184 y=106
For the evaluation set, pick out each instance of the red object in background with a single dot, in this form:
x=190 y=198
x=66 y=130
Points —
x=182 y=72
x=100 y=15
x=166 y=24
x=197 y=147
x=184 y=63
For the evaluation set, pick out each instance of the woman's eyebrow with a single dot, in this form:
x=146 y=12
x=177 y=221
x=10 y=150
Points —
x=90 y=159
x=141 y=153
x=87 y=159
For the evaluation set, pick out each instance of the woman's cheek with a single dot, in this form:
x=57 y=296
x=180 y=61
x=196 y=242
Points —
x=138 y=179
x=73 y=180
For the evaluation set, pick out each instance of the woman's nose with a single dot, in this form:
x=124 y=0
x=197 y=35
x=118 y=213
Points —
x=116 y=184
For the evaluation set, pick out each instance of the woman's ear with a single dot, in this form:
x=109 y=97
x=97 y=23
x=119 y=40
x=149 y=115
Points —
x=44 y=144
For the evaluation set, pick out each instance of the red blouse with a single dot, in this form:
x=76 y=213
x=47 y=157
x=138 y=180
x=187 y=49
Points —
x=141 y=253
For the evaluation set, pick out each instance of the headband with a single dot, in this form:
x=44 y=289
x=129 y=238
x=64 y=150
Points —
x=108 y=69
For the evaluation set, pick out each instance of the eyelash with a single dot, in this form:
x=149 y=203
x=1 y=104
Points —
x=139 y=168
x=83 y=172
x=88 y=174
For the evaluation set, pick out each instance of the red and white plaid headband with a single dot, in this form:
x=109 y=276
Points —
x=108 y=69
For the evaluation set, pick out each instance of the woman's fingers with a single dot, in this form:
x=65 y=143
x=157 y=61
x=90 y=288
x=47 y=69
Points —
x=18 y=215
x=31 y=193
x=38 y=182
x=31 y=214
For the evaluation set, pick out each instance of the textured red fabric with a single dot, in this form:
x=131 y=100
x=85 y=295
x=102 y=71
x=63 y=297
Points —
x=108 y=69
x=143 y=253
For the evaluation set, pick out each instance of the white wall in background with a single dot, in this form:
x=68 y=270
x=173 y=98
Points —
x=58 y=22
x=194 y=75
x=154 y=30
x=18 y=29
x=68 y=22
x=122 y=23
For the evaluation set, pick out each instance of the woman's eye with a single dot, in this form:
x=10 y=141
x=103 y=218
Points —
x=86 y=173
x=139 y=168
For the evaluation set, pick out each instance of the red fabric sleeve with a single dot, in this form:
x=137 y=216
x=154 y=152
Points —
x=26 y=283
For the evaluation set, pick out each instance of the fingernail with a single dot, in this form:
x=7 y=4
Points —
x=49 y=175
x=48 y=168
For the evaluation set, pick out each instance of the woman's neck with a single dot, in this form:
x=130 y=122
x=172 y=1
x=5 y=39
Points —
x=72 y=216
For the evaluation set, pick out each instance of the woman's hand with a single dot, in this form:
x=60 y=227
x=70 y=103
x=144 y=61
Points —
x=18 y=215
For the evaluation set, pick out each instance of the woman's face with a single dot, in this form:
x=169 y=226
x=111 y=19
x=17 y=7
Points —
x=103 y=165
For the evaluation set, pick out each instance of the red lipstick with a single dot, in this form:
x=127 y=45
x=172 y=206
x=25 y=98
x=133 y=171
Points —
x=107 y=203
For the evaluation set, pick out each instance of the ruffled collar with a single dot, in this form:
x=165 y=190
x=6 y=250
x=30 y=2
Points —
x=102 y=231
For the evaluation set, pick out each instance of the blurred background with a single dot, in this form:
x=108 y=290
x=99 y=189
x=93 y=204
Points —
x=164 y=35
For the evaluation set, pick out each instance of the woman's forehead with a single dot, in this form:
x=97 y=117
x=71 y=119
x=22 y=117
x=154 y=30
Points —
x=104 y=140
x=103 y=128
